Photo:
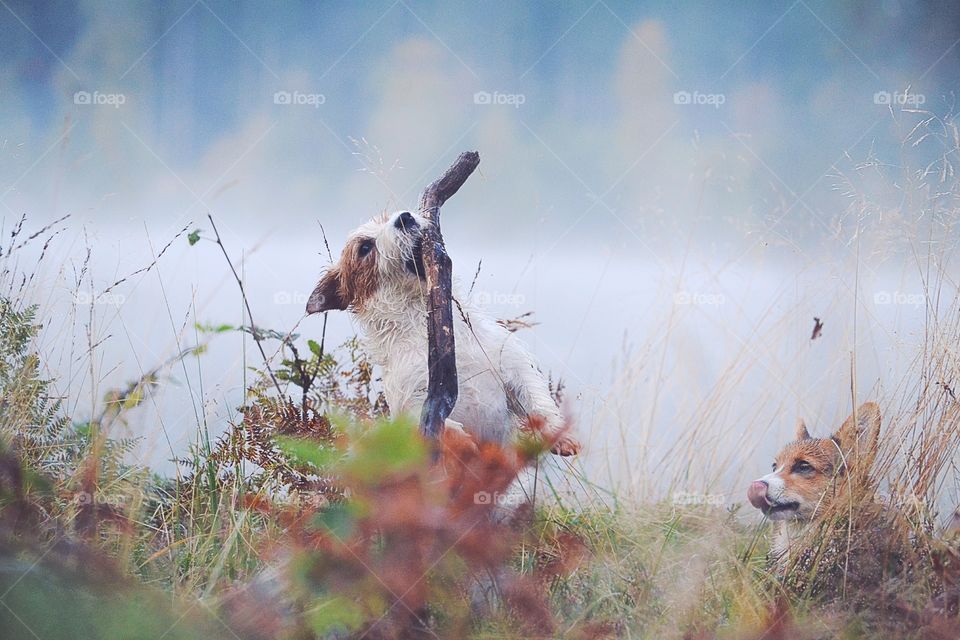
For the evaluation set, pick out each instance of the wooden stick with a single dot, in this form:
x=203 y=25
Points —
x=442 y=386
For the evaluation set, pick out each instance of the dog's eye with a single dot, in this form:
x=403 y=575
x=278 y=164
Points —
x=773 y=467
x=802 y=466
x=365 y=247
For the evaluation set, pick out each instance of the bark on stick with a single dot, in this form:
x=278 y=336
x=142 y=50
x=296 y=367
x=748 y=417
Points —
x=442 y=386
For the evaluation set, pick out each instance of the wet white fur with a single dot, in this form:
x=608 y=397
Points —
x=490 y=359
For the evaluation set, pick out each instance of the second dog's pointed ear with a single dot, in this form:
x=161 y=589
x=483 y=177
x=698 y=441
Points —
x=326 y=296
x=860 y=433
x=802 y=433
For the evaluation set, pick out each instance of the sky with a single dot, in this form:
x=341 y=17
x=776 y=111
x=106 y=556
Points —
x=677 y=183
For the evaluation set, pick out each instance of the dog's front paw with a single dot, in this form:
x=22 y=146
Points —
x=456 y=440
x=566 y=446
x=453 y=425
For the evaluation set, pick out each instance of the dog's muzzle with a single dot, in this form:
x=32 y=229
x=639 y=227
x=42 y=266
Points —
x=406 y=222
x=757 y=494
x=415 y=264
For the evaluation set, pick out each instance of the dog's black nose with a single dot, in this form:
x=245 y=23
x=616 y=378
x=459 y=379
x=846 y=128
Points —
x=405 y=221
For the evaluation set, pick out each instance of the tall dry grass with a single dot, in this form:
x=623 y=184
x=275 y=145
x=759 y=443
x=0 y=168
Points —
x=650 y=542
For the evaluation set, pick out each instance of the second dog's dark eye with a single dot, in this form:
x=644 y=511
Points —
x=365 y=247
x=802 y=466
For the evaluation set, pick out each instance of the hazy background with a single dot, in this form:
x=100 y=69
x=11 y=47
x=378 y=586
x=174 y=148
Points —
x=676 y=190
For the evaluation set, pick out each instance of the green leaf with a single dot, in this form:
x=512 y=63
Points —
x=390 y=446
x=214 y=328
x=82 y=429
x=335 y=614
x=194 y=237
x=133 y=398
x=37 y=482
x=315 y=348
x=337 y=519
x=302 y=451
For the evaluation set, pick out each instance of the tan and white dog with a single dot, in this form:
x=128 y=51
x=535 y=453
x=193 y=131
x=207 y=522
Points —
x=811 y=474
x=379 y=279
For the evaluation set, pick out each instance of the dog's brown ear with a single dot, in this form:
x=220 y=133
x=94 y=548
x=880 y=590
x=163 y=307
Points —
x=327 y=295
x=801 y=432
x=859 y=436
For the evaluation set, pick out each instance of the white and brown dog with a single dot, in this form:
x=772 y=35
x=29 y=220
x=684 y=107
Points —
x=811 y=475
x=379 y=278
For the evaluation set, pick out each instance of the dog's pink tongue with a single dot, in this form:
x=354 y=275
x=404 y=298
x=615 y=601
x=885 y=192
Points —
x=757 y=494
